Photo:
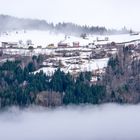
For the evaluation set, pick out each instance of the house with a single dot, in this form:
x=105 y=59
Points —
x=9 y=44
x=76 y=44
x=102 y=39
x=92 y=46
x=62 y=45
x=39 y=47
x=51 y=46
x=29 y=42
x=133 y=33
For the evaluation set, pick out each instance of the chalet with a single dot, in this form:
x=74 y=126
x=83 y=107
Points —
x=98 y=54
x=62 y=45
x=51 y=46
x=9 y=44
x=92 y=46
x=76 y=44
x=29 y=42
x=102 y=39
x=39 y=47
x=133 y=33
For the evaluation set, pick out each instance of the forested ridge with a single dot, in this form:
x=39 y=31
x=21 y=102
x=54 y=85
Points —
x=9 y=23
x=20 y=86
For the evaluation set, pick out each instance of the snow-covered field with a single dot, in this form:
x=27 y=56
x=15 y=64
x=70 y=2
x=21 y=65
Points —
x=40 y=38
x=44 y=38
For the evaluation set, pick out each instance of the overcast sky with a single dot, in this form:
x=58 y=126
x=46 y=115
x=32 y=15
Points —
x=109 y=13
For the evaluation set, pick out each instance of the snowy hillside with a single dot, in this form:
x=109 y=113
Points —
x=72 y=59
x=44 y=38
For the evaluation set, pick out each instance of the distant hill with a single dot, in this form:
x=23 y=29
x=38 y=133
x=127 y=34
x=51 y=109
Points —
x=8 y=23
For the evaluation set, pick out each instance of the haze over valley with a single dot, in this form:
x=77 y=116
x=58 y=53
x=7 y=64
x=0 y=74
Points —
x=69 y=70
x=109 y=121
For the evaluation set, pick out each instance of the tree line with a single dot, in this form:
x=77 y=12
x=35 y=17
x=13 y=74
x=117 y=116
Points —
x=61 y=27
x=21 y=86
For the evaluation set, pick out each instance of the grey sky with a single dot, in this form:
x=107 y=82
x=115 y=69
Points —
x=109 y=13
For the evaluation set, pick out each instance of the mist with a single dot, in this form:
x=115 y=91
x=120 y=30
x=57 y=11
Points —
x=86 y=122
x=109 y=13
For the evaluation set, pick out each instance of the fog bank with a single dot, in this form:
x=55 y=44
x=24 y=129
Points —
x=104 y=122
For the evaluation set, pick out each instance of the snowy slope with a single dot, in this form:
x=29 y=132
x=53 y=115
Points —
x=43 y=38
x=40 y=38
x=97 y=64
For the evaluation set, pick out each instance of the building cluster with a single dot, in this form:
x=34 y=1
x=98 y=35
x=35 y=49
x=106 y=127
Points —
x=70 y=57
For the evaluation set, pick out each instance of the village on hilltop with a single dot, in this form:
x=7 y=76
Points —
x=70 y=54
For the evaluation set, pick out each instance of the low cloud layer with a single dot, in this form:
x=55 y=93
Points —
x=105 y=122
